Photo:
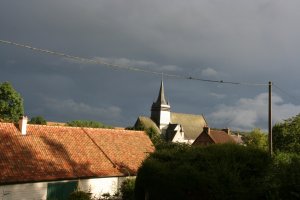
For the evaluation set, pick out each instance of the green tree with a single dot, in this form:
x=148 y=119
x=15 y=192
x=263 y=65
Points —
x=154 y=136
x=285 y=176
x=38 y=120
x=127 y=189
x=87 y=123
x=225 y=171
x=11 y=103
x=257 y=139
x=286 y=135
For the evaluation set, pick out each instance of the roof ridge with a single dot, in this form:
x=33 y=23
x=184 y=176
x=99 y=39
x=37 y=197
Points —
x=187 y=114
x=65 y=126
x=74 y=127
x=7 y=123
x=108 y=129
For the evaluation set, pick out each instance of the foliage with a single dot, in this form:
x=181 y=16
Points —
x=106 y=196
x=285 y=176
x=80 y=195
x=11 y=103
x=154 y=136
x=38 y=120
x=286 y=135
x=129 y=128
x=164 y=145
x=127 y=189
x=87 y=123
x=257 y=139
x=139 y=127
x=225 y=171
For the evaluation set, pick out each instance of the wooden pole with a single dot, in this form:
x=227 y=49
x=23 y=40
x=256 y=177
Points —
x=270 y=136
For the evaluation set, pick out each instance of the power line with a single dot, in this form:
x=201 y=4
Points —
x=285 y=92
x=129 y=68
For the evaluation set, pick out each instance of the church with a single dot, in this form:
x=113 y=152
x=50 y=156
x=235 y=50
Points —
x=174 y=127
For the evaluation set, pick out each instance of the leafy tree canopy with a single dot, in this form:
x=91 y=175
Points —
x=257 y=139
x=87 y=123
x=11 y=103
x=38 y=120
x=286 y=135
x=285 y=176
x=225 y=171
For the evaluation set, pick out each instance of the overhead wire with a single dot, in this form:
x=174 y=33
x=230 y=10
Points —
x=285 y=92
x=139 y=69
x=129 y=68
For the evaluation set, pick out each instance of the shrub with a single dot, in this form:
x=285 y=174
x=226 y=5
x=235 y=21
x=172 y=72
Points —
x=87 y=123
x=127 y=189
x=38 y=120
x=80 y=195
x=285 y=176
x=215 y=172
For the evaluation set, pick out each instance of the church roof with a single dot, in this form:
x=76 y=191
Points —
x=192 y=124
x=48 y=153
x=147 y=123
x=161 y=96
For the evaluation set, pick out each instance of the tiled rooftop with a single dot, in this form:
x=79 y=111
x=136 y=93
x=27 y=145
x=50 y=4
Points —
x=58 y=152
x=209 y=136
x=220 y=136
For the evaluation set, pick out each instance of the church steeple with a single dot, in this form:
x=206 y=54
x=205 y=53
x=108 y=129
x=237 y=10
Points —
x=161 y=110
x=161 y=96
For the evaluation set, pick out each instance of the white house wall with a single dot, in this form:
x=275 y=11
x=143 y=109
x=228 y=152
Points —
x=38 y=191
x=32 y=191
x=99 y=186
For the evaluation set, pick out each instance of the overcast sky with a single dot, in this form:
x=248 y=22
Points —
x=236 y=40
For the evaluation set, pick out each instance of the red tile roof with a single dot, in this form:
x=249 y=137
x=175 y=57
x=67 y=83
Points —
x=57 y=152
x=209 y=136
x=220 y=136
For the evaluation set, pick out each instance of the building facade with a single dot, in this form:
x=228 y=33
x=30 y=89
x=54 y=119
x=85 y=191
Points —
x=174 y=127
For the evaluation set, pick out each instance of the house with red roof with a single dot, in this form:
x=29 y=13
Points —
x=211 y=136
x=49 y=162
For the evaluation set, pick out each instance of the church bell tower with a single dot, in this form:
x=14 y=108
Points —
x=161 y=110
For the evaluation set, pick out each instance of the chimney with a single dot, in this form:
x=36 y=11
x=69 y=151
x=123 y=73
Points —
x=206 y=129
x=23 y=124
x=227 y=130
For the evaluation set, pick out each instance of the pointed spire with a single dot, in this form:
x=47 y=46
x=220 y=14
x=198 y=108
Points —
x=161 y=96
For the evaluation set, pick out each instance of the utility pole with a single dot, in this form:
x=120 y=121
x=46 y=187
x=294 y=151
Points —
x=270 y=136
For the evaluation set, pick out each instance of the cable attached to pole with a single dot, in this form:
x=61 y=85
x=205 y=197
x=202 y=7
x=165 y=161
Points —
x=129 y=68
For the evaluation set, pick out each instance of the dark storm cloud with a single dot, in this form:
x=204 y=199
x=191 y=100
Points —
x=248 y=41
